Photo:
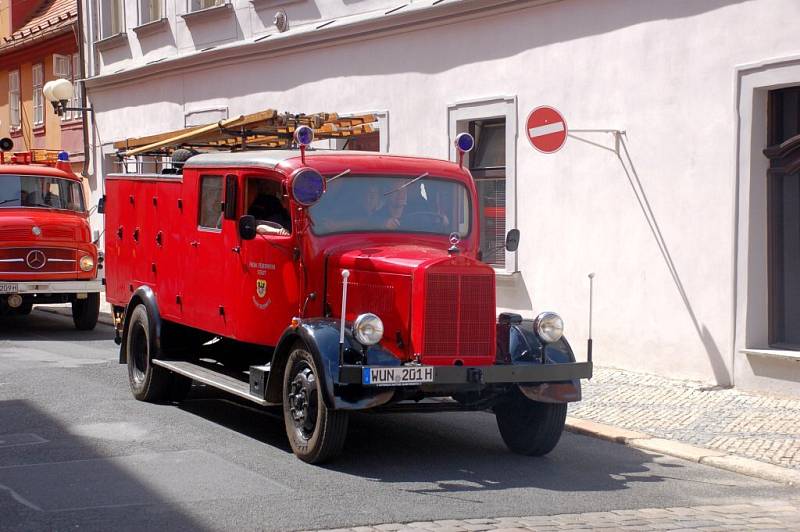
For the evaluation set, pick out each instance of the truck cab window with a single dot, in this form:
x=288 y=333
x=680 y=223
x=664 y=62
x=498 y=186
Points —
x=210 y=202
x=265 y=202
x=41 y=191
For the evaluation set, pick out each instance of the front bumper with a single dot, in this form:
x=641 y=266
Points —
x=498 y=374
x=50 y=287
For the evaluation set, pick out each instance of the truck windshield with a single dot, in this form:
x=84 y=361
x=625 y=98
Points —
x=393 y=203
x=40 y=191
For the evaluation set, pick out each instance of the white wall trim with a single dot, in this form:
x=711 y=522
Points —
x=458 y=116
x=753 y=81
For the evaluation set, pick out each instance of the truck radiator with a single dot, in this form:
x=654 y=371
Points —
x=459 y=316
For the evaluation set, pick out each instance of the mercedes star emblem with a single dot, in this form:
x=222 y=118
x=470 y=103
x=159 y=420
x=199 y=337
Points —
x=36 y=259
x=37 y=231
x=454 y=239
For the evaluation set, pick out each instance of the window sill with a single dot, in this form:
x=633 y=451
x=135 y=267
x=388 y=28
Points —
x=15 y=133
x=39 y=130
x=208 y=12
x=149 y=28
x=69 y=125
x=784 y=354
x=111 y=41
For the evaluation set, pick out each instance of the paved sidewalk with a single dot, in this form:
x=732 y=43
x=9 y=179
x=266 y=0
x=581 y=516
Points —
x=762 y=515
x=749 y=425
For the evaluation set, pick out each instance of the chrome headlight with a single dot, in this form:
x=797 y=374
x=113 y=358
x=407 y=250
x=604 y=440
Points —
x=368 y=329
x=87 y=263
x=549 y=327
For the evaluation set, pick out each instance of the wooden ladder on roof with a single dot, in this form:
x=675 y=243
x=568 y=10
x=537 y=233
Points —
x=264 y=130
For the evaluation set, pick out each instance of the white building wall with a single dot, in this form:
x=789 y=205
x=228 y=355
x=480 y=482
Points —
x=653 y=215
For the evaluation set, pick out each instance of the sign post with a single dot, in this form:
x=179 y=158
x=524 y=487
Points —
x=546 y=129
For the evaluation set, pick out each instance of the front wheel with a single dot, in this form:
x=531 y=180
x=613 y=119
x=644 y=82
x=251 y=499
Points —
x=530 y=427
x=86 y=311
x=316 y=433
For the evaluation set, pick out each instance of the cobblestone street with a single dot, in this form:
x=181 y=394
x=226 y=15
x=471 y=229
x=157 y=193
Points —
x=773 y=515
x=754 y=426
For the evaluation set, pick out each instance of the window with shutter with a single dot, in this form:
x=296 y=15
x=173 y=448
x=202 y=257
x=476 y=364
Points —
x=13 y=98
x=77 y=97
x=37 y=75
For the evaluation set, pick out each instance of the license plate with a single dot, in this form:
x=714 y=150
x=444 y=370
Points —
x=9 y=288
x=397 y=376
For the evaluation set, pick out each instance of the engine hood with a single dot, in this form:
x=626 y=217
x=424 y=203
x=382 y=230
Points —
x=20 y=225
x=398 y=259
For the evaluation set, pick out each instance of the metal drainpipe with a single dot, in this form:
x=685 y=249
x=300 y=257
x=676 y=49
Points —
x=86 y=114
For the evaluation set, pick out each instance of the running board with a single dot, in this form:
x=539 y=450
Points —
x=212 y=378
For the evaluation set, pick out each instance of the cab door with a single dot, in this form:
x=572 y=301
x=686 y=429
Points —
x=267 y=295
x=204 y=299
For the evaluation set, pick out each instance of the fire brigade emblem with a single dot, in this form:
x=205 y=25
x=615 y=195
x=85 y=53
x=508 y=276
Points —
x=261 y=287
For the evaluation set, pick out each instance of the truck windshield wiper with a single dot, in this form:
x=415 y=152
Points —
x=8 y=200
x=407 y=183
x=340 y=174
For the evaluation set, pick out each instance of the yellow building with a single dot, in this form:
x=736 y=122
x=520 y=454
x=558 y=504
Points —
x=39 y=43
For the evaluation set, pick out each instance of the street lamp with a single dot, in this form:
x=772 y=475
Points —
x=59 y=92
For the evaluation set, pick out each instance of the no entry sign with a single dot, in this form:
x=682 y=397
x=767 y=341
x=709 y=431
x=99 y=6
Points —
x=546 y=129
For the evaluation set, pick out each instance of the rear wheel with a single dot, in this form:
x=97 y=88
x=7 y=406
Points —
x=86 y=311
x=316 y=433
x=24 y=309
x=149 y=382
x=530 y=427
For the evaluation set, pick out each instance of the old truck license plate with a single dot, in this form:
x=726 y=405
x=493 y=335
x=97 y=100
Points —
x=397 y=376
x=9 y=288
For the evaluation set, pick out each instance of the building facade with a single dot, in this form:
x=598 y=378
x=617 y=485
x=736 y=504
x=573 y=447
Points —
x=39 y=43
x=678 y=184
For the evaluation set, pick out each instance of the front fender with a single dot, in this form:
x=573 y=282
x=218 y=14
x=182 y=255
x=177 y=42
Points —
x=321 y=337
x=524 y=347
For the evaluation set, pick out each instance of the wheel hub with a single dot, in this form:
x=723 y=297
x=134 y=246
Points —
x=303 y=401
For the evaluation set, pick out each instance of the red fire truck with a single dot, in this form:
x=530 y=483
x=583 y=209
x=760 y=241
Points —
x=326 y=282
x=46 y=250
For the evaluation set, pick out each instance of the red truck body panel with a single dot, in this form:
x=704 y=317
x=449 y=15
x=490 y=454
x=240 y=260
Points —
x=211 y=280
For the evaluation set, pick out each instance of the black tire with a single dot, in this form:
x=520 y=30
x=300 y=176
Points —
x=86 y=311
x=148 y=382
x=316 y=433
x=530 y=427
x=24 y=309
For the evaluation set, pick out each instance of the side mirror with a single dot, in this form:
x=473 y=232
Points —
x=512 y=240
x=101 y=205
x=247 y=227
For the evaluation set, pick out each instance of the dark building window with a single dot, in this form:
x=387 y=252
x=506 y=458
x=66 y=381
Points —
x=783 y=208
x=487 y=163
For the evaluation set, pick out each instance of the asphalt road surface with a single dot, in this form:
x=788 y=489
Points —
x=77 y=451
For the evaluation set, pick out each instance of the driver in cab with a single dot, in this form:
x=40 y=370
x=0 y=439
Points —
x=272 y=218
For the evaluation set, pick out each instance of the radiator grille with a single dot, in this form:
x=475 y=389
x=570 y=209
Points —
x=459 y=314
x=56 y=260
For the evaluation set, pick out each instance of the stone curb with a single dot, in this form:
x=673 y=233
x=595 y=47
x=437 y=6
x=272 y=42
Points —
x=104 y=318
x=685 y=451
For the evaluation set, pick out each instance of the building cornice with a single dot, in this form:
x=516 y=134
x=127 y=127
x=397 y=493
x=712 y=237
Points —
x=320 y=34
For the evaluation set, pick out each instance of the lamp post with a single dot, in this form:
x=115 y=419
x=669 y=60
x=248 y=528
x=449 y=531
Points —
x=59 y=92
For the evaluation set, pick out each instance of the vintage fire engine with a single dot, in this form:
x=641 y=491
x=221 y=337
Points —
x=325 y=282
x=46 y=251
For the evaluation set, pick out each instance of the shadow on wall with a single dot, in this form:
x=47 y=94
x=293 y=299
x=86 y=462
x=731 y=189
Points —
x=722 y=373
x=48 y=485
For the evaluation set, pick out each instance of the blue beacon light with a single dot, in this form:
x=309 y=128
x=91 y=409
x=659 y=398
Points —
x=63 y=156
x=303 y=136
x=308 y=185
x=464 y=143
